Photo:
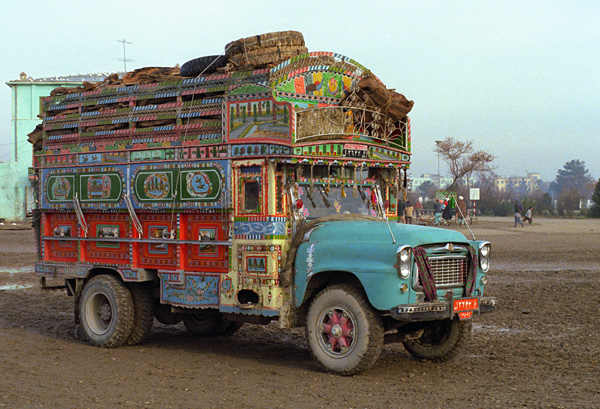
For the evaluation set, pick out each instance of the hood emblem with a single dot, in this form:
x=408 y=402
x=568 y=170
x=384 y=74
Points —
x=450 y=247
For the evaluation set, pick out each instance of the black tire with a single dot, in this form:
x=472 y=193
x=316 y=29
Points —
x=163 y=314
x=344 y=332
x=78 y=331
x=106 y=311
x=202 y=65
x=441 y=340
x=207 y=323
x=143 y=317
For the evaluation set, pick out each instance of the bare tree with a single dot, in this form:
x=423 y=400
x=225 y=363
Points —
x=462 y=161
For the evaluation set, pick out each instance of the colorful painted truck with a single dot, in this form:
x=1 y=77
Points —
x=263 y=195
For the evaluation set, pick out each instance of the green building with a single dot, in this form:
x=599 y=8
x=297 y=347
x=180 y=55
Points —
x=16 y=192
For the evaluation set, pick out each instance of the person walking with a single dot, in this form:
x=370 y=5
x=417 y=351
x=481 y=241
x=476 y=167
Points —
x=447 y=213
x=518 y=210
x=528 y=215
x=437 y=212
x=408 y=211
x=462 y=211
x=418 y=209
x=401 y=206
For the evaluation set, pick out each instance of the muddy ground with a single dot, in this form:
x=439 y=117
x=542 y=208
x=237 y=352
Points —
x=541 y=349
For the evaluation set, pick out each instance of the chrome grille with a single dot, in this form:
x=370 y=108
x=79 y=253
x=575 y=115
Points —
x=449 y=271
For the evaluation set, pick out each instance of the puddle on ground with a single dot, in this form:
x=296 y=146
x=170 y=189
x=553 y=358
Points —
x=10 y=287
x=496 y=330
x=19 y=270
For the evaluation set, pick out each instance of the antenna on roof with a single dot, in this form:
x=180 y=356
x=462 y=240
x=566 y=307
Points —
x=124 y=57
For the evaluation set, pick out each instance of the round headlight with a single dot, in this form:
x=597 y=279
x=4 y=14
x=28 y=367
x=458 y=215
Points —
x=485 y=264
x=485 y=251
x=405 y=271
x=404 y=255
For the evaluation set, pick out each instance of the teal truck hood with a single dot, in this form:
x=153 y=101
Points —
x=364 y=250
x=365 y=231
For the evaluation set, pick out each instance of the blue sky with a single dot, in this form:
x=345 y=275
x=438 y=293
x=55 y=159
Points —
x=519 y=78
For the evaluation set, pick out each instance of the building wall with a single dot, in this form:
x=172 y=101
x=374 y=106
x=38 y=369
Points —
x=14 y=179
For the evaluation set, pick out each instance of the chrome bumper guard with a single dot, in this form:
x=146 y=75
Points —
x=436 y=310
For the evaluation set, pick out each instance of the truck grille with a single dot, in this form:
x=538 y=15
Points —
x=449 y=272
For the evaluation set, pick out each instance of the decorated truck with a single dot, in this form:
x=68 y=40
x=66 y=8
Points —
x=233 y=193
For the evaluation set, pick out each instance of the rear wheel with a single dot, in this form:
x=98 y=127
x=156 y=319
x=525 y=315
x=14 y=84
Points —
x=344 y=333
x=441 y=340
x=163 y=314
x=106 y=311
x=143 y=314
x=207 y=323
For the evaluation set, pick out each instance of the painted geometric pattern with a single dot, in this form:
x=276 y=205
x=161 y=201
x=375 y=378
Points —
x=190 y=290
x=94 y=187
x=190 y=185
x=257 y=228
x=259 y=264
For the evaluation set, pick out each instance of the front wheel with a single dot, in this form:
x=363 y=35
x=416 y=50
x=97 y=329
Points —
x=344 y=332
x=441 y=340
x=106 y=311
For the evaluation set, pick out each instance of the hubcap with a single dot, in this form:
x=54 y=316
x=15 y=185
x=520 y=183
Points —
x=99 y=313
x=337 y=331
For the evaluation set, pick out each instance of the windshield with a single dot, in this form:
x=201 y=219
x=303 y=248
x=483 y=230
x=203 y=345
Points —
x=324 y=200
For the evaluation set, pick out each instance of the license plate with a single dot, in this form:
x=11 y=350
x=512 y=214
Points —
x=465 y=307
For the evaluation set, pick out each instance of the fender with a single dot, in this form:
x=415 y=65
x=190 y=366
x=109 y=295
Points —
x=371 y=263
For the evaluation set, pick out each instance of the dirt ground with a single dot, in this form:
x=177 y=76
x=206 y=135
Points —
x=540 y=349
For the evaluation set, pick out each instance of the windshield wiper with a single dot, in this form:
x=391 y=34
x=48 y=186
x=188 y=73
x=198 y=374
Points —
x=362 y=194
x=327 y=204
x=312 y=202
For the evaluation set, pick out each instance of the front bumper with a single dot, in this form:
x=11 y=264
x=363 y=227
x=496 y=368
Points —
x=438 y=310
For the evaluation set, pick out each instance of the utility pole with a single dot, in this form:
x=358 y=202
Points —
x=124 y=56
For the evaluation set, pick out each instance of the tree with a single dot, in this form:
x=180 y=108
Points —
x=572 y=184
x=574 y=175
x=595 y=210
x=427 y=189
x=567 y=202
x=462 y=161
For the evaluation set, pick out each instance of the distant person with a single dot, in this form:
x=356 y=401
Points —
x=528 y=215
x=401 y=207
x=462 y=211
x=518 y=211
x=447 y=213
x=418 y=209
x=437 y=212
x=408 y=212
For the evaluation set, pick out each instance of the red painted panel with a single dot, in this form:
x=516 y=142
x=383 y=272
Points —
x=112 y=226
x=205 y=257
x=61 y=225
x=157 y=255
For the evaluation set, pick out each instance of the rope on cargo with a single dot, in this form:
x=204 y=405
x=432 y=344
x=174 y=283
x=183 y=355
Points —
x=184 y=136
